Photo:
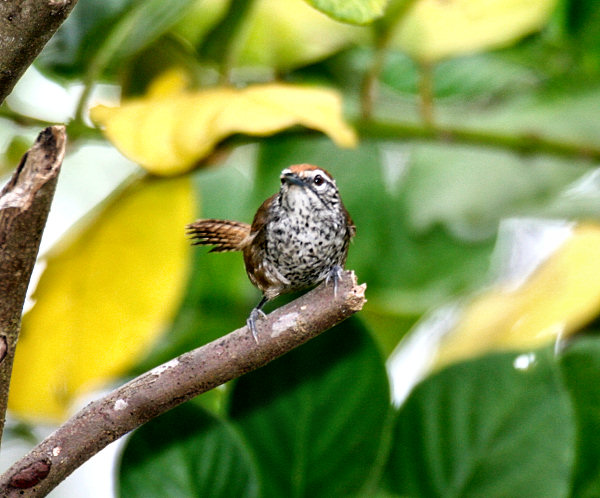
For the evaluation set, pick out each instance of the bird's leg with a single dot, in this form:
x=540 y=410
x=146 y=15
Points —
x=335 y=274
x=254 y=315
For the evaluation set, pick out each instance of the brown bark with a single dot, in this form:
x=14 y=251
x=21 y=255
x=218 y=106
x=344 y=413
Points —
x=176 y=381
x=25 y=27
x=24 y=205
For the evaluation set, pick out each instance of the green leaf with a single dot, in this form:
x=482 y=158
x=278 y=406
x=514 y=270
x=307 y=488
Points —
x=141 y=25
x=102 y=34
x=186 y=453
x=15 y=150
x=351 y=11
x=581 y=21
x=498 y=426
x=200 y=19
x=448 y=186
x=581 y=369
x=315 y=418
x=221 y=40
x=69 y=51
x=476 y=79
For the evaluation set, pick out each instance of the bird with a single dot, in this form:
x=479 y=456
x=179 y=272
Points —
x=298 y=237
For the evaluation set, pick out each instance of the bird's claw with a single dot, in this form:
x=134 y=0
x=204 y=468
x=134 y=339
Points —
x=335 y=274
x=255 y=314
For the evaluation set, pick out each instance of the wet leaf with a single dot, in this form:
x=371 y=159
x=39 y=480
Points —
x=106 y=295
x=432 y=30
x=168 y=134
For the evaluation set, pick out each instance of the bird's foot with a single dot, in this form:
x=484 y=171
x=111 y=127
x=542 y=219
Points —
x=255 y=314
x=335 y=275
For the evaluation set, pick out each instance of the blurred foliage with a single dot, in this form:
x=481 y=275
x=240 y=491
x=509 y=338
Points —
x=557 y=299
x=428 y=29
x=351 y=11
x=468 y=114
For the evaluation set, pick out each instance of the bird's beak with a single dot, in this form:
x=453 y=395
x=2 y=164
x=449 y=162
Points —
x=293 y=179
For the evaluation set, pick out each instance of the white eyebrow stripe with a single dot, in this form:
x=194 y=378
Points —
x=323 y=174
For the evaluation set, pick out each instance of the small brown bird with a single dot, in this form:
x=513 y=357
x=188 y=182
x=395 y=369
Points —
x=299 y=236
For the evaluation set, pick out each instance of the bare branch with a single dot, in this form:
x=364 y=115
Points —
x=25 y=27
x=176 y=381
x=24 y=205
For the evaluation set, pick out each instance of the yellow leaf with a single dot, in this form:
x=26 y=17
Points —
x=434 y=29
x=168 y=135
x=104 y=298
x=561 y=296
x=170 y=82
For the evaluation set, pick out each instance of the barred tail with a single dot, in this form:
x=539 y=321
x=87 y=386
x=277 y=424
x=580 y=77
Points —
x=225 y=235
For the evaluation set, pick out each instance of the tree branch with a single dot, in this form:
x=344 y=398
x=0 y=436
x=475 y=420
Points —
x=525 y=143
x=24 y=205
x=25 y=27
x=147 y=396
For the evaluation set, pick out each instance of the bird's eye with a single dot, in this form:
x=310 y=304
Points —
x=318 y=180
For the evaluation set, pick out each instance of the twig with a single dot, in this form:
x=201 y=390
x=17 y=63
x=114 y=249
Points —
x=385 y=29
x=426 y=93
x=369 y=86
x=176 y=381
x=25 y=27
x=24 y=205
x=525 y=143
